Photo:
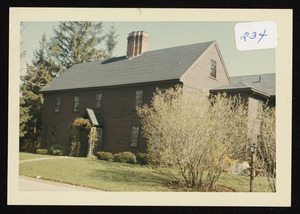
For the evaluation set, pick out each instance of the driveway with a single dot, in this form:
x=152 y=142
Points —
x=35 y=184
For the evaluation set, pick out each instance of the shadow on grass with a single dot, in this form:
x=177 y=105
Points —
x=130 y=177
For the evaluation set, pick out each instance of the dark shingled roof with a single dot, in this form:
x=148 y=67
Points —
x=264 y=83
x=158 y=65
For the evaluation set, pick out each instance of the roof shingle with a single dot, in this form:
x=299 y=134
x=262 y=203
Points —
x=261 y=82
x=158 y=65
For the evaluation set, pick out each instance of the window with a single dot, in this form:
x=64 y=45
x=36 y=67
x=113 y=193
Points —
x=213 y=68
x=134 y=136
x=53 y=134
x=98 y=100
x=139 y=98
x=76 y=103
x=99 y=131
x=71 y=133
x=57 y=107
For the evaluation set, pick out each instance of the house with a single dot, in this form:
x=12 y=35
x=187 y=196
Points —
x=108 y=92
x=256 y=90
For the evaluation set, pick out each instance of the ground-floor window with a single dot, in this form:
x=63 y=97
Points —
x=134 y=136
x=71 y=133
x=53 y=134
x=99 y=131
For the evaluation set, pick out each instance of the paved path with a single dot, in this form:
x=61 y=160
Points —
x=35 y=184
x=38 y=159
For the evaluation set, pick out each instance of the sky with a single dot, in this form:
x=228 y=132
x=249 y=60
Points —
x=169 y=34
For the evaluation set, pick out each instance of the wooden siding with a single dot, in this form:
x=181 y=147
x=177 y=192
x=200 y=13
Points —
x=198 y=76
x=117 y=111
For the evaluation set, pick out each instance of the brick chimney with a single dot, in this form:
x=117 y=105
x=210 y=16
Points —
x=136 y=43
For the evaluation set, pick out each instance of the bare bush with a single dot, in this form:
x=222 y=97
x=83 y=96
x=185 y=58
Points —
x=197 y=135
x=266 y=150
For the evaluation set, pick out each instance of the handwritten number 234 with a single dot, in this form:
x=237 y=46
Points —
x=253 y=36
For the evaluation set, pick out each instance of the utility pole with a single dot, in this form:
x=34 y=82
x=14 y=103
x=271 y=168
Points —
x=252 y=168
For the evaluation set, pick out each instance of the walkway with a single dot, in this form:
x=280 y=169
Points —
x=35 y=184
x=38 y=159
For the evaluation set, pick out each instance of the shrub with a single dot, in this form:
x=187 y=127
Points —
x=104 y=156
x=143 y=158
x=57 y=149
x=124 y=157
x=199 y=145
x=75 y=149
x=42 y=151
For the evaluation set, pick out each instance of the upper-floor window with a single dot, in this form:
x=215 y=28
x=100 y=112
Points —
x=76 y=103
x=134 y=136
x=213 y=68
x=98 y=100
x=139 y=98
x=57 y=106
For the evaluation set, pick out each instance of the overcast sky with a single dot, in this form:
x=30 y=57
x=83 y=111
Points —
x=171 y=34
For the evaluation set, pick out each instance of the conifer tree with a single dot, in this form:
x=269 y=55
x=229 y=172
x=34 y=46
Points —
x=73 y=42
x=38 y=75
x=111 y=40
x=79 y=42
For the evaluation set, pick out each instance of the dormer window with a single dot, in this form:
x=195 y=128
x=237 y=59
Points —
x=213 y=69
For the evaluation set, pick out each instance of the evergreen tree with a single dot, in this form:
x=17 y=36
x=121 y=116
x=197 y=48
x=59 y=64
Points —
x=73 y=42
x=24 y=117
x=79 y=42
x=38 y=75
x=111 y=40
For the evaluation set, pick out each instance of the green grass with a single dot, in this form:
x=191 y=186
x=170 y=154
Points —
x=98 y=174
x=27 y=156
x=242 y=183
x=113 y=176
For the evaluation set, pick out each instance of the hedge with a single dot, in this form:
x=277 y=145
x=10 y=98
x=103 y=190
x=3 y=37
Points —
x=57 y=149
x=104 y=156
x=42 y=151
x=124 y=157
x=143 y=158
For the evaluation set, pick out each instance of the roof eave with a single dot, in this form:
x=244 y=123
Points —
x=112 y=86
x=239 y=90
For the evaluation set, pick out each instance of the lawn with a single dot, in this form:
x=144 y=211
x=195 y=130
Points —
x=113 y=176
x=27 y=156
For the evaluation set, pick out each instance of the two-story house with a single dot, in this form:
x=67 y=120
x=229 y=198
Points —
x=109 y=91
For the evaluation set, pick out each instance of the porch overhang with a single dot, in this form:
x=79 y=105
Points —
x=95 y=118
